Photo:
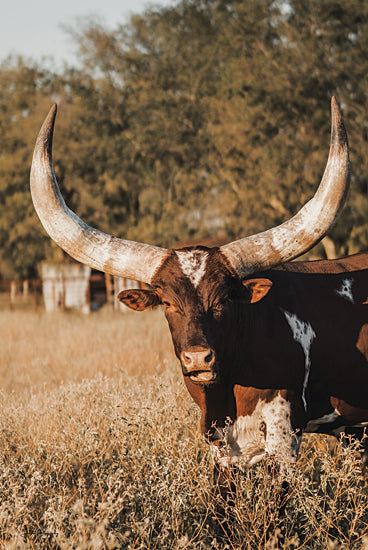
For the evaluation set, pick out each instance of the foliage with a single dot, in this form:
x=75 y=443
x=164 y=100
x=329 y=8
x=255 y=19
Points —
x=207 y=117
x=21 y=242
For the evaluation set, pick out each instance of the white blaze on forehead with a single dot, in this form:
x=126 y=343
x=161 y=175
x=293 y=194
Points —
x=267 y=431
x=304 y=334
x=193 y=264
x=346 y=290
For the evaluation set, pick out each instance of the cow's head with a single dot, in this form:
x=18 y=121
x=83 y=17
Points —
x=200 y=293
x=199 y=287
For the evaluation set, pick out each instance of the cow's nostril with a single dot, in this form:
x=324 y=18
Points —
x=209 y=357
x=201 y=359
x=186 y=359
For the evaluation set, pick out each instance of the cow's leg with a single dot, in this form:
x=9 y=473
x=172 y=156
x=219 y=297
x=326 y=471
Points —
x=352 y=422
x=357 y=433
x=282 y=445
x=282 y=441
x=224 y=483
x=364 y=453
x=224 y=495
x=224 y=490
x=283 y=449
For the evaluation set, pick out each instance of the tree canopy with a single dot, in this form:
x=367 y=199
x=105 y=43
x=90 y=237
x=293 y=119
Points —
x=206 y=118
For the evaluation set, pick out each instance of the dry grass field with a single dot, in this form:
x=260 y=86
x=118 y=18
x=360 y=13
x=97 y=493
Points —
x=100 y=449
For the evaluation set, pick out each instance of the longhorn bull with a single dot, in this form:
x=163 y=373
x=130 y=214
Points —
x=274 y=347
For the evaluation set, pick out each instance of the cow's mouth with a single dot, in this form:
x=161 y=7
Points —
x=202 y=376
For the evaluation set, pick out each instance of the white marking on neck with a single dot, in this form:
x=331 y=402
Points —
x=346 y=290
x=267 y=431
x=304 y=335
x=193 y=264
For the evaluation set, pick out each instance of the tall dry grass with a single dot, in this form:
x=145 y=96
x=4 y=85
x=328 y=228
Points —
x=42 y=351
x=100 y=449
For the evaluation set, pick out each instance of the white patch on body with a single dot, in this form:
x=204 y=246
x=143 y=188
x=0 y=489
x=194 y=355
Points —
x=267 y=431
x=346 y=290
x=304 y=334
x=193 y=264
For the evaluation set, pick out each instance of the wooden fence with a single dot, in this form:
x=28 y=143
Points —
x=77 y=290
x=26 y=294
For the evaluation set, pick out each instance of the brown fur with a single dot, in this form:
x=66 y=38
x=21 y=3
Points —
x=256 y=353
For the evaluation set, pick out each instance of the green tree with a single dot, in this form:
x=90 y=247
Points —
x=227 y=106
x=22 y=100
x=208 y=117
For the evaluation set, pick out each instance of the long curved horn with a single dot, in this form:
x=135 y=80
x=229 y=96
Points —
x=87 y=245
x=299 y=234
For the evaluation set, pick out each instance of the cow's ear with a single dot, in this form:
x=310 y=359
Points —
x=258 y=288
x=139 y=299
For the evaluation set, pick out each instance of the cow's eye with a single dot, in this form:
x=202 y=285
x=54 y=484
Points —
x=218 y=307
x=174 y=308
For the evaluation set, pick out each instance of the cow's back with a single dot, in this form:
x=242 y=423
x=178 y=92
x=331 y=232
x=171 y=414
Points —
x=316 y=318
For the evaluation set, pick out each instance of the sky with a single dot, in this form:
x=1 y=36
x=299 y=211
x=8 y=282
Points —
x=33 y=28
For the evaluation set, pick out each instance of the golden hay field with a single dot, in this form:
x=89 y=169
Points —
x=100 y=449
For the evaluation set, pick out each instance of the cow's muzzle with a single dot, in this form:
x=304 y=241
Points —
x=199 y=364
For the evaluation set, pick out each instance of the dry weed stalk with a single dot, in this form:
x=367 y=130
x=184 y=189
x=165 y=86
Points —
x=100 y=449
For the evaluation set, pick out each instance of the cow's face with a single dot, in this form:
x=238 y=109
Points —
x=201 y=294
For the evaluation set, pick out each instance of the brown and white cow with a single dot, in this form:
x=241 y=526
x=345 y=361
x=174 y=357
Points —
x=268 y=348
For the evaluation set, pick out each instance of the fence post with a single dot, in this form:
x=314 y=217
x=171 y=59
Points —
x=12 y=293
x=35 y=293
x=25 y=289
x=109 y=289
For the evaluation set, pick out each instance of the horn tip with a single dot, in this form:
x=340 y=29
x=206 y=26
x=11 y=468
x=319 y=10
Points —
x=52 y=114
x=335 y=110
x=43 y=146
x=50 y=119
x=338 y=130
x=47 y=129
